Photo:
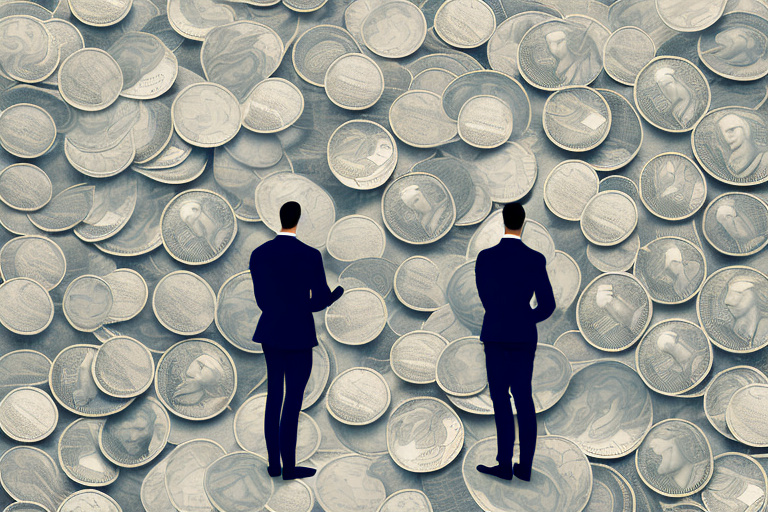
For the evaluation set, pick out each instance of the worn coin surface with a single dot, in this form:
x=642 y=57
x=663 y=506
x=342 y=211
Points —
x=35 y=257
x=99 y=14
x=417 y=118
x=206 y=115
x=672 y=269
x=23 y=368
x=31 y=54
x=569 y=187
x=30 y=474
x=184 y=303
x=123 y=367
x=576 y=118
x=395 y=29
x=317 y=48
x=746 y=415
x=689 y=16
x=463 y=298
x=90 y=79
x=26 y=131
x=461 y=367
x=417 y=284
x=149 y=67
x=565 y=275
x=736 y=224
x=129 y=294
x=28 y=414
x=25 y=306
x=624 y=139
x=414 y=356
x=722 y=388
x=89 y=499
x=137 y=435
x=730 y=48
x=354 y=237
x=87 y=302
x=80 y=457
x=378 y=274
x=67 y=209
x=357 y=318
x=735 y=474
x=418 y=208
x=627 y=51
x=485 y=122
x=618 y=258
x=358 y=396
x=609 y=218
x=354 y=82
x=610 y=491
x=244 y=469
x=551 y=375
x=465 y=23
x=406 y=499
x=511 y=171
x=185 y=474
x=195 y=20
x=503 y=44
x=237 y=312
x=362 y=154
x=25 y=187
x=273 y=105
x=672 y=186
x=350 y=472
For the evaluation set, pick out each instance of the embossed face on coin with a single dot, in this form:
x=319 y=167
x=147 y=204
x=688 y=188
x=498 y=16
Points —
x=418 y=208
x=735 y=47
x=672 y=186
x=362 y=154
x=137 y=435
x=672 y=269
x=736 y=224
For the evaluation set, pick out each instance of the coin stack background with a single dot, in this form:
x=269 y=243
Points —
x=147 y=147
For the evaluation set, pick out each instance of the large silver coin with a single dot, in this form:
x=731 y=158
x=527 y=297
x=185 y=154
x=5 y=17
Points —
x=25 y=306
x=463 y=298
x=569 y=187
x=354 y=237
x=249 y=430
x=354 y=82
x=465 y=23
x=394 y=30
x=459 y=176
x=238 y=481
x=357 y=318
x=561 y=477
x=613 y=311
x=418 y=208
x=747 y=416
x=23 y=368
x=273 y=105
x=424 y=435
x=90 y=79
x=318 y=210
x=618 y=258
x=194 y=19
x=722 y=388
x=317 y=48
x=206 y=115
x=30 y=54
x=129 y=294
x=237 y=312
x=689 y=15
x=100 y=14
x=610 y=491
x=149 y=67
x=406 y=499
x=321 y=371
x=674 y=356
x=91 y=500
x=26 y=131
x=347 y=484
x=68 y=38
x=461 y=367
x=565 y=275
x=377 y=274
x=196 y=379
x=672 y=94
x=72 y=384
x=358 y=396
x=137 y=435
x=197 y=226
x=581 y=354
x=730 y=48
x=184 y=303
x=417 y=118
x=551 y=375
x=627 y=51
x=80 y=457
x=485 y=122
x=185 y=474
x=154 y=495
x=609 y=218
x=362 y=154
x=417 y=284
x=35 y=257
x=576 y=118
x=738 y=483
x=732 y=311
x=413 y=357
x=28 y=415
x=25 y=187
x=672 y=269
x=28 y=473
x=511 y=170
x=123 y=367
x=671 y=446
x=503 y=44
x=736 y=224
x=672 y=186
x=624 y=139
x=87 y=302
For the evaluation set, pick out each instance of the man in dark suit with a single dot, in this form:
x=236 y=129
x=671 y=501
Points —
x=507 y=276
x=289 y=285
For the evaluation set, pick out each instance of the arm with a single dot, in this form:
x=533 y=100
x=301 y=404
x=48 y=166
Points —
x=321 y=296
x=544 y=295
x=482 y=280
x=258 y=292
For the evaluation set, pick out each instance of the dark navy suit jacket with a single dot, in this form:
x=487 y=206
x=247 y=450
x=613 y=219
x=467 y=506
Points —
x=284 y=270
x=507 y=275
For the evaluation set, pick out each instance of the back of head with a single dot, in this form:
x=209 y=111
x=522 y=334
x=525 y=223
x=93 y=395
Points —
x=514 y=216
x=289 y=214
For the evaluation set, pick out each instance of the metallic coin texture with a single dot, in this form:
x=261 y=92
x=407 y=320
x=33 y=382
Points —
x=624 y=138
x=99 y=14
x=149 y=67
x=618 y=258
x=137 y=435
x=351 y=473
x=627 y=51
x=362 y=154
x=503 y=44
x=460 y=367
x=485 y=122
x=26 y=131
x=735 y=224
x=238 y=481
x=129 y=294
x=206 y=115
x=28 y=473
x=672 y=186
x=237 y=311
x=719 y=50
x=25 y=187
x=28 y=415
x=25 y=306
x=87 y=302
x=610 y=491
x=89 y=499
x=551 y=375
x=23 y=368
x=346 y=322
x=317 y=48
x=273 y=105
x=576 y=118
x=414 y=356
x=80 y=457
x=569 y=187
x=354 y=82
x=417 y=284
x=738 y=481
x=195 y=20
x=672 y=269
x=565 y=273
x=90 y=79
x=354 y=237
x=689 y=16
x=465 y=23
x=358 y=396
x=418 y=208
x=395 y=29
x=417 y=118
x=184 y=303
x=746 y=415
x=722 y=388
x=30 y=55
x=406 y=499
x=123 y=367
x=185 y=474
x=609 y=218
x=35 y=257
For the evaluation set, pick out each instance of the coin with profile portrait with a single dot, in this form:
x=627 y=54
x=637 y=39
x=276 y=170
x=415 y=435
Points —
x=135 y=436
x=735 y=47
x=362 y=154
x=671 y=268
x=736 y=224
x=672 y=186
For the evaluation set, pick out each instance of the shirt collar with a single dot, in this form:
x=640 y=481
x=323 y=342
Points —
x=286 y=233
x=510 y=236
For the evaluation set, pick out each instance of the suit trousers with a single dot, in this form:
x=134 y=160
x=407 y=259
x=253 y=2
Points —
x=293 y=368
x=511 y=367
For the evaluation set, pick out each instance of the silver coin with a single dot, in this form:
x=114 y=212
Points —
x=354 y=82
x=503 y=44
x=102 y=164
x=318 y=211
x=190 y=168
x=239 y=55
x=321 y=371
x=746 y=415
x=719 y=50
x=346 y=483
x=735 y=224
x=624 y=138
x=80 y=457
x=457 y=175
x=406 y=499
x=672 y=186
x=149 y=67
x=25 y=187
x=569 y=187
x=673 y=357
x=184 y=303
x=418 y=208
x=317 y=48
x=255 y=150
x=137 y=435
x=238 y=481
x=73 y=387
x=395 y=29
x=206 y=115
x=185 y=474
x=433 y=79
x=611 y=492
x=249 y=430
x=28 y=415
x=237 y=312
x=480 y=404
x=738 y=483
x=103 y=130
x=618 y=258
x=26 y=131
x=34 y=56
x=25 y=306
x=576 y=118
x=87 y=302
x=489 y=233
x=68 y=38
x=609 y=218
x=354 y=237
x=565 y=275
x=153 y=130
x=627 y=51
x=154 y=495
x=581 y=354
x=722 y=388
x=114 y=202
x=551 y=375
x=413 y=357
x=672 y=269
x=445 y=323
x=481 y=203
x=377 y=274
x=510 y=169
x=561 y=476
x=417 y=284
x=613 y=311
x=679 y=441
x=175 y=153
x=99 y=14
x=461 y=367
x=456 y=62
x=90 y=500
x=90 y=79
x=129 y=294
x=424 y=434
x=689 y=16
x=23 y=368
x=417 y=118
x=731 y=311
x=485 y=121
x=35 y=257
x=672 y=94
x=25 y=506
x=465 y=23
x=304 y=5
x=273 y=105
x=362 y=154
x=291 y=495
x=28 y=473
x=622 y=184
x=357 y=318
x=194 y=19
x=123 y=367
x=358 y=396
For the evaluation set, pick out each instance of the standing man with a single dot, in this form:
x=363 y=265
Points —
x=289 y=285
x=508 y=274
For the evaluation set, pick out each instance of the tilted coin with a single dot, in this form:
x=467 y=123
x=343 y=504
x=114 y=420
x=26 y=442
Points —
x=152 y=132
x=137 y=435
x=457 y=175
x=362 y=154
x=672 y=186
x=576 y=118
x=730 y=48
x=28 y=415
x=195 y=20
x=417 y=118
x=581 y=354
x=87 y=302
x=153 y=494
x=746 y=415
x=511 y=170
x=732 y=309
x=184 y=303
x=433 y=79
x=89 y=499
x=377 y=274
x=736 y=224
x=80 y=457
x=465 y=23
x=502 y=46
x=480 y=404
x=621 y=184
x=609 y=218
x=123 y=367
x=482 y=204
x=25 y=306
x=304 y=5
x=238 y=481
x=738 y=481
x=255 y=150
x=618 y=258
x=445 y=323
x=551 y=375
x=418 y=208
x=624 y=138
x=129 y=294
x=149 y=67
x=273 y=105
x=569 y=187
x=25 y=187
x=90 y=79
x=26 y=131
x=68 y=38
x=98 y=14
x=354 y=237
x=102 y=164
x=395 y=29
x=103 y=130
x=357 y=318
x=689 y=16
x=188 y=169
x=461 y=367
x=23 y=368
x=67 y=208
x=672 y=94
x=654 y=464
x=413 y=357
x=561 y=475
x=627 y=51
x=196 y=379
x=485 y=122
x=114 y=202
x=185 y=474
x=611 y=492
x=613 y=311
x=358 y=396
x=417 y=284
x=29 y=474
x=350 y=472
x=25 y=506
x=672 y=269
x=424 y=434
x=206 y=115
x=722 y=388
x=35 y=257
x=317 y=48
x=456 y=62
x=406 y=499
x=565 y=275
x=34 y=56
x=237 y=312
x=354 y=82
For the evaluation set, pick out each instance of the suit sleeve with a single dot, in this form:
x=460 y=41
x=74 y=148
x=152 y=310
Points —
x=544 y=295
x=321 y=293
x=482 y=280
x=258 y=291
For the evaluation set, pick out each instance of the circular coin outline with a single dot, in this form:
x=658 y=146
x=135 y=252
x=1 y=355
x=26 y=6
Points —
x=383 y=305
x=67 y=293
x=345 y=178
x=237 y=453
x=403 y=491
x=367 y=422
x=91 y=23
x=16 y=352
x=684 y=241
x=464 y=46
x=105 y=496
x=625 y=236
x=728 y=416
x=718 y=72
x=698 y=28
x=400 y=298
x=47 y=240
x=421 y=92
x=89 y=108
x=620 y=478
x=189 y=140
x=741 y=455
x=704 y=220
x=29 y=155
x=335 y=63
x=567 y=89
x=173 y=274
x=149 y=459
x=290 y=5
x=216 y=315
x=629 y=159
x=440 y=358
x=273 y=79
x=695 y=166
x=298 y=40
x=71 y=475
x=401 y=340
x=48 y=179
x=40 y=437
x=708 y=413
x=557 y=167
x=50 y=301
x=111 y=319
x=605 y=49
x=356 y=216
x=507 y=132
x=22 y=447
x=134 y=393
x=51 y=43
x=400 y=55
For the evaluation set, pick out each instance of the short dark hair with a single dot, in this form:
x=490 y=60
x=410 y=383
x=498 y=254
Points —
x=514 y=215
x=289 y=214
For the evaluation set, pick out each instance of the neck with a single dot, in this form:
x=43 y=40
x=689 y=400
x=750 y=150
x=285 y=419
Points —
x=289 y=230
x=517 y=232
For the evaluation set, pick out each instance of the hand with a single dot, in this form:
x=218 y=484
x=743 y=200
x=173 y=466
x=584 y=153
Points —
x=604 y=295
x=336 y=294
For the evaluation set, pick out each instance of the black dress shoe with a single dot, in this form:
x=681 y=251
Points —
x=521 y=472
x=274 y=471
x=298 y=472
x=503 y=472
